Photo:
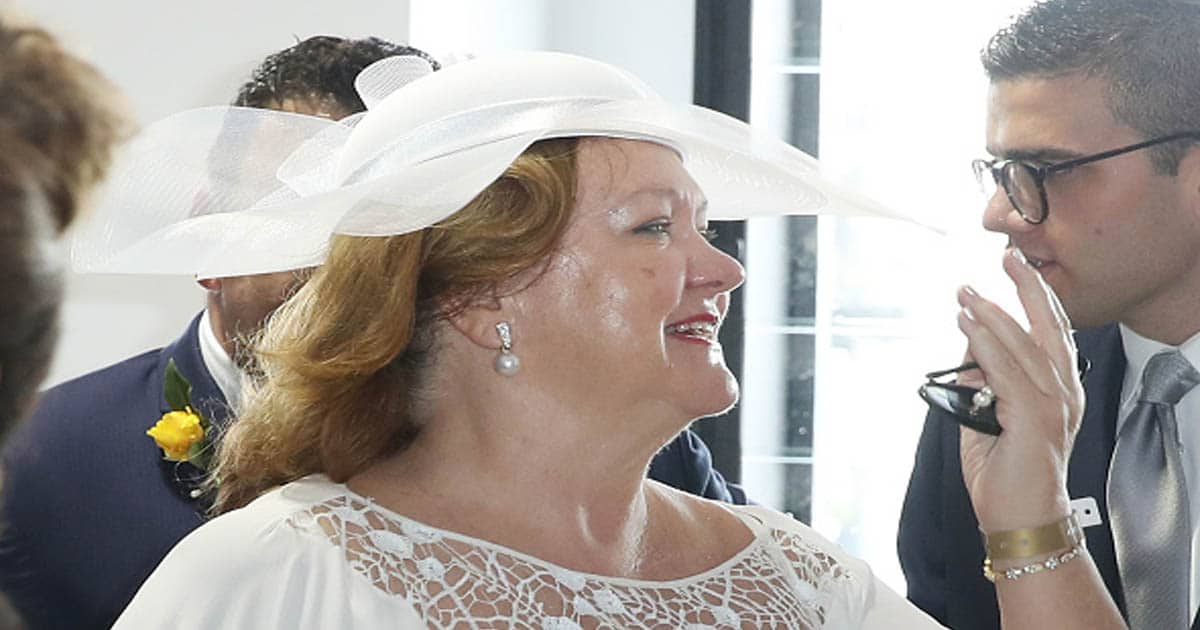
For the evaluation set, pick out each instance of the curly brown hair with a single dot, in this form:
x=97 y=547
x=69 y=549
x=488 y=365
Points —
x=342 y=361
x=58 y=126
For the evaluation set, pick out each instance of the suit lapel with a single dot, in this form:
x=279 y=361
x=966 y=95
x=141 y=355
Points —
x=205 y=393
x=1088 y=472
x=186 y=479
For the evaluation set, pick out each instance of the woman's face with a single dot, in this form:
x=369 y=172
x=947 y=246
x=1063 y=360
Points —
x=627 y=313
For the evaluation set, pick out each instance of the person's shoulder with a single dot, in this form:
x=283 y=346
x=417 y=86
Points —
x=785 y=524
x=840 y=583
x=85 y=418
x=267 y=565
x=85 y=406
x=687 y=464
x=805 y=546
x=272 y=515
x=111 y=381
x=685 y=458
x=761 y=520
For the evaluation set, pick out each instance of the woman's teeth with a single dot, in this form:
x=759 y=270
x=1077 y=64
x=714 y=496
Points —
x=694 y=329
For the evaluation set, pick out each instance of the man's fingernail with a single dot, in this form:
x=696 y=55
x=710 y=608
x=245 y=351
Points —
x=1019 y=255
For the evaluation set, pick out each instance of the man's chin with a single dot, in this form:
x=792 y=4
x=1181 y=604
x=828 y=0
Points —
x=1082 y=316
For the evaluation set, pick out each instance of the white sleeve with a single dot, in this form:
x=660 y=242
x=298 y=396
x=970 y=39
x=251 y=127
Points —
x=232 y=574
x=887 y=609
x=866 y=603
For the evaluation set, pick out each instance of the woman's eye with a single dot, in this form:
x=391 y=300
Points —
x=660 y=227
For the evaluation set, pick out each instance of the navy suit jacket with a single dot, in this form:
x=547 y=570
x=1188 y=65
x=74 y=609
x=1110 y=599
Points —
x=90 y=507
x=686 y=463
x=941 y=551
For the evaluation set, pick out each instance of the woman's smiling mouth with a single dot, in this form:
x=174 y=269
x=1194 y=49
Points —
x=699 y=329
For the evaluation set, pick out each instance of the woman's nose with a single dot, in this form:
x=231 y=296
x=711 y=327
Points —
x=713 y=268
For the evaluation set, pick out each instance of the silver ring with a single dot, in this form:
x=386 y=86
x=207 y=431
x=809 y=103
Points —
x=982 y=399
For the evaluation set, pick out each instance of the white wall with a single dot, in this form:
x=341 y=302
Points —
x=168 y=56
x=654 y=39
x=454 y=28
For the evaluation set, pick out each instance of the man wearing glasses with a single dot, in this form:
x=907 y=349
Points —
x=1093 y=124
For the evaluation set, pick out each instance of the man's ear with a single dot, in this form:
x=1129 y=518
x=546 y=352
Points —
x=1189 y=175
x=210 y=284
x=478 y=323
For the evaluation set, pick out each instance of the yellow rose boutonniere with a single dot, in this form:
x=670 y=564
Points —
x=176 y=433
x=183 y=434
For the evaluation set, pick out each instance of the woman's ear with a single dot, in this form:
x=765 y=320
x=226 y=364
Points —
x=478 y=323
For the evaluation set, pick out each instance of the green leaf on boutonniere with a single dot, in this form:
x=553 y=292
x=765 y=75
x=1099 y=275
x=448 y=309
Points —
x=183 y=434
x=200 y=454
x=176 y=389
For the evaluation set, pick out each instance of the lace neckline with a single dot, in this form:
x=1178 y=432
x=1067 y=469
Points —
x=780 y=579
x=761 y=535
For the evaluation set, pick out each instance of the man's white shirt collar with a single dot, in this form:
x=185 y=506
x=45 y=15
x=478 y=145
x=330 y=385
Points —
x=1138 y=351
x=222 y=368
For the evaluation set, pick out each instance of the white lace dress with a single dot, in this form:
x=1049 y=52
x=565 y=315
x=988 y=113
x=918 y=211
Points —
x=314 y=554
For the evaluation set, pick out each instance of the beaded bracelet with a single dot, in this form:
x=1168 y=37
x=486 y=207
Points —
x=1049 y=564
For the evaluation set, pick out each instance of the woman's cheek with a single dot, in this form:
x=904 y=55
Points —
x=614 y=309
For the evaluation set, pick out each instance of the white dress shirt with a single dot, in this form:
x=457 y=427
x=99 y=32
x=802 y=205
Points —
x=1138 y=351
x=222 y=368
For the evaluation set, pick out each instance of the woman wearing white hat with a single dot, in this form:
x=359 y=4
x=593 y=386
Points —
x=519 y=306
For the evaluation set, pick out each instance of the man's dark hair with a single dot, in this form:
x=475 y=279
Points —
x=1148 y=51
x=319 y=71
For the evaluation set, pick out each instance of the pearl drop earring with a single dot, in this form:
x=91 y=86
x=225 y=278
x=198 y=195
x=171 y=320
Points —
x=507 y=363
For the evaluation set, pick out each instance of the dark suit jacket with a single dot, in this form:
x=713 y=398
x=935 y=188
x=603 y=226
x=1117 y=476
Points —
x=686 y=463
x=941 y=551
x=90 y=507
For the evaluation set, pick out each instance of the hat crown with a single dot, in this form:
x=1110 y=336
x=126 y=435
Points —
x=486 y=82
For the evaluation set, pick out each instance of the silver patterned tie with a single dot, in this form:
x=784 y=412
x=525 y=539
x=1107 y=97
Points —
x=1148 y=499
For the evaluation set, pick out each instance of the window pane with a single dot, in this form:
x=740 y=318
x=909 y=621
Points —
x=895 y=105
x=886 y=271
x=787 y=32
x=782 y=417
x=777 y=426
x=868 y=417
x=787 y=104
x=801 y=252
x=794 y=480
x=806 y=31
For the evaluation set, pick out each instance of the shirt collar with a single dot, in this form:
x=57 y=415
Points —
x=1138 y=350
x=222 y=368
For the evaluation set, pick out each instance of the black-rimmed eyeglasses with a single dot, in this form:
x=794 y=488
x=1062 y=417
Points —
x=1024 y=183
x=969 y=406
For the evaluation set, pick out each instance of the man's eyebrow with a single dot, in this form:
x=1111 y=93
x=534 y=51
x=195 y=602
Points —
x=1046 y=154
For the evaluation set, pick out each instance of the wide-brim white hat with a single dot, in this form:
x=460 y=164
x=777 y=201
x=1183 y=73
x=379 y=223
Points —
x=229 y=191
